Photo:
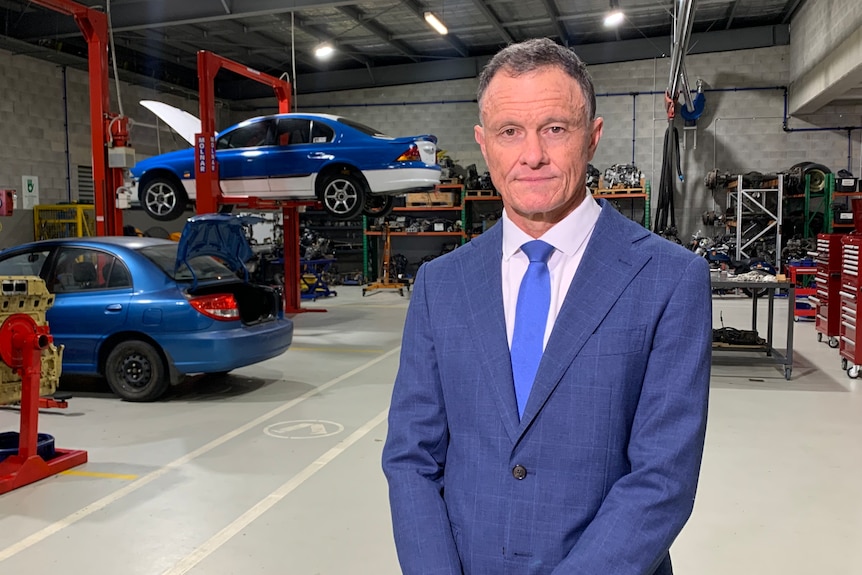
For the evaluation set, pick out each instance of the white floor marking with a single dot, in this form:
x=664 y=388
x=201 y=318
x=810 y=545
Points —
x=100 y=504
x=213 y=543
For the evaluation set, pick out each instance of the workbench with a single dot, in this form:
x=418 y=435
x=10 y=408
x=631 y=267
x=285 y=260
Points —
x=767 y=350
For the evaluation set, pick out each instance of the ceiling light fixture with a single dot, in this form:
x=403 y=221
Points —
x=324 y=51
x=615 y=17
x=435 y=23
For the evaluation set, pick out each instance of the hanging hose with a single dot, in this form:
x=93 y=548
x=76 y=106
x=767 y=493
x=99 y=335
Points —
x=665 y=218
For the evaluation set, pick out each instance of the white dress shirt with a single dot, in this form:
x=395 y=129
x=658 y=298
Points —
x=569 y=238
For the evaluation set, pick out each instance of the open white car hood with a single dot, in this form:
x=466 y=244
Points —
x=183 y=123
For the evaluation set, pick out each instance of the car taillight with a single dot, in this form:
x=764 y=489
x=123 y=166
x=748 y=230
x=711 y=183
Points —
x=218 y=306
x=411 y=155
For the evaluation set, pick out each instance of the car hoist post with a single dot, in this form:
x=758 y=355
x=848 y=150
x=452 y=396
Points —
x=21 y=345
x=107 y=130
x=208 y=192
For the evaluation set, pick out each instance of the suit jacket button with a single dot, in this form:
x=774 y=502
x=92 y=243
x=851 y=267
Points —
x=519 y=472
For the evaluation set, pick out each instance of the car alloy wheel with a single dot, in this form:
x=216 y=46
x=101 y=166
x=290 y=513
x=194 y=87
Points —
x=162 y=199
x=135 y=371
x=343 y=196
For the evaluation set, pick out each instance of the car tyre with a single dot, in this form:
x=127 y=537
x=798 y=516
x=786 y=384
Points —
x=163 y=199
x=378 y=206
x=343 y=195
x=136 y=372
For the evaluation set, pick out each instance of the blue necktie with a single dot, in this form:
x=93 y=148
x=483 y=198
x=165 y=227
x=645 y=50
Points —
x=531 y=315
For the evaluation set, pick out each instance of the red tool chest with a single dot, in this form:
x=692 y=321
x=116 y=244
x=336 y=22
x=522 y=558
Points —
x=828 y=287
x=851 y=358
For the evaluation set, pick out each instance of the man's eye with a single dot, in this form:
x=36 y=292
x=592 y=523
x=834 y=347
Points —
x=509 y=132
x=557 y=129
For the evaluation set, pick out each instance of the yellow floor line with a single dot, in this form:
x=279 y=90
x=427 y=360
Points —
x=126 y=476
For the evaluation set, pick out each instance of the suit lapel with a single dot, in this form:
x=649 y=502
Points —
x=609 y=264
x=486 y=307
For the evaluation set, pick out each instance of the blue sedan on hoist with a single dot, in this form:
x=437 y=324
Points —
x=350 y=168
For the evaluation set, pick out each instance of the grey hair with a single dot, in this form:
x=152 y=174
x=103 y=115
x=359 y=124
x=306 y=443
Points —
x=530 y=55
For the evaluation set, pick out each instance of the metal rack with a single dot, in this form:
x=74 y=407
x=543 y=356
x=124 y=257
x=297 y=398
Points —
x=751 y=207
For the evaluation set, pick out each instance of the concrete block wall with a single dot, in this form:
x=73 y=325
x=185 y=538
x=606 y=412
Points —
x=818 y=27
x=34 y=137
x=31 y=116
x=740 y=131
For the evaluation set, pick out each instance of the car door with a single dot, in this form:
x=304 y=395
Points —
x=92 y=292
x=242 y=153
x=302 y=148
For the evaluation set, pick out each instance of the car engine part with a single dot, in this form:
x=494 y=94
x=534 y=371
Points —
x=623 y=175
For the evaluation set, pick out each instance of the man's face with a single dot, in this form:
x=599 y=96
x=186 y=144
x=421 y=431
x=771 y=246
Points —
x=537 y=141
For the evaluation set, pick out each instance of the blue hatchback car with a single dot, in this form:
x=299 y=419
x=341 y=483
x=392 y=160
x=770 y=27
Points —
x=145 y=312
x=350 y=168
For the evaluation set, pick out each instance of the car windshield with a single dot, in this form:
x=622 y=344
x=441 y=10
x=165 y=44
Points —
x=205 y=267
x=362 y=128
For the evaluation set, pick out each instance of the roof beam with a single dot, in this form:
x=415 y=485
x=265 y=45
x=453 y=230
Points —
x=551 y=9
x=162 y=14
x=377 y=30
x=495 y=22
x=731 y=14
x=598 y=53
x=790 y=9
x=321 y=35
x=449 y=38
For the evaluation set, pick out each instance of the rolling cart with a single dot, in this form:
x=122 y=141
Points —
x=802 y=306
x=827 y=298
x=851 y=354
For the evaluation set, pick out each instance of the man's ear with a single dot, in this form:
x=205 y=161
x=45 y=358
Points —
x=479 y=134
x=595 y=135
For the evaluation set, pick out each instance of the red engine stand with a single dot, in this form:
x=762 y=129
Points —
x=21 y=345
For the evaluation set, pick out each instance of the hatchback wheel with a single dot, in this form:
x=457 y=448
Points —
x=135 y=371
x=163 y=199
x=343 y=195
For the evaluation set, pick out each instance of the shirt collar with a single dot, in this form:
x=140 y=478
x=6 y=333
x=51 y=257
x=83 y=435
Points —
x=567 y=236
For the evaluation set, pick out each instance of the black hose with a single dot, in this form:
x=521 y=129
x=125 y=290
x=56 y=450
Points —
x=665 y=212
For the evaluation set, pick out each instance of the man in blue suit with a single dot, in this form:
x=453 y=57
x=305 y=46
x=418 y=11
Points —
x=549 y=411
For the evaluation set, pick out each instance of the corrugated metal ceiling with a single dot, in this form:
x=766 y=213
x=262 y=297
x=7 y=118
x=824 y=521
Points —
x=157 y=40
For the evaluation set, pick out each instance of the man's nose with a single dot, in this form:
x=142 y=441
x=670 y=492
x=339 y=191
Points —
x=533 y=150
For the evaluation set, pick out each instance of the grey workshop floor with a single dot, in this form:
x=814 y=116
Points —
x=274 y=469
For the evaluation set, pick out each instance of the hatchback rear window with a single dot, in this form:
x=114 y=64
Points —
x=205 y=267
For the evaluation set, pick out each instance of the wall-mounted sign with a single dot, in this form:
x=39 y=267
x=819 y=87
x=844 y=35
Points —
x=30 y=191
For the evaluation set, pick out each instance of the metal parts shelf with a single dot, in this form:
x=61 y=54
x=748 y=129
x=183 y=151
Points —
x=441 y=224
x=757 y=213
x=632 y=194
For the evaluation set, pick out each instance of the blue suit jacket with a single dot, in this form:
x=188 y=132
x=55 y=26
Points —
x=612 y=434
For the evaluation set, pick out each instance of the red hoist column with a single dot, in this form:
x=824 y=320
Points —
x=208 y=192
x=105 y=128
x=21 y=345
